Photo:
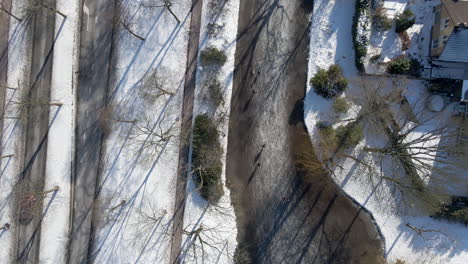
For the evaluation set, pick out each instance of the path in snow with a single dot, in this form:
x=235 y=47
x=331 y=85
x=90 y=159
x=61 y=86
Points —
x=186 y=127
x=95 y=53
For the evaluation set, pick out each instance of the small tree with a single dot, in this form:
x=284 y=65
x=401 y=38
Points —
x=329 y=83
x=216 y=93
x=349 y=135
x=404 y=21
x=206 y=158
x=401 y=65
x=213 y=56
x=341 y=105
x=381 y=21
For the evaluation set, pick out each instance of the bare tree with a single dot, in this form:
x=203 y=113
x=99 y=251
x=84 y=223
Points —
x=156 y=84
x=203 y=239
x=149 y=220
x=167 y=4
x=151 y=136
x=123 y=18
x=417 y=143
x=30 y=202
x=30 y=107
x=2 y=8
x=431 y=237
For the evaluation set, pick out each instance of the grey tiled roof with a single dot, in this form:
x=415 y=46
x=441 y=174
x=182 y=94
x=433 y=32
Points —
x=456 y=49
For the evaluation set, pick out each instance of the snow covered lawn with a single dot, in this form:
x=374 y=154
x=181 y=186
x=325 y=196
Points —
x=389 y=45
x=140 y=156
x=331 y=43
x=217 y=222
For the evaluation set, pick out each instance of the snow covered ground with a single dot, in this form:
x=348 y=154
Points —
x=388 y=43
x=331 y=42
x=137 y=183
x=60 y=151
x=219 y=29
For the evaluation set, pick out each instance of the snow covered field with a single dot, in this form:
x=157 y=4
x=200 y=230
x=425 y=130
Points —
x=331 y=43
x=137 y=183
x=219 y=29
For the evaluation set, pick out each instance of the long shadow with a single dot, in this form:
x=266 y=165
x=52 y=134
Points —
x=36 y=152
x=128 y=205
x=24 y=255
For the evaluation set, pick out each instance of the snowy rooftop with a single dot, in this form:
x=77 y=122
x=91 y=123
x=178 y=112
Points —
x=456 y=50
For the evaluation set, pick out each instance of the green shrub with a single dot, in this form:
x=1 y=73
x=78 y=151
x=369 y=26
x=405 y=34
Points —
x=404 y=21
x=456 y=210
x=460 y=216
x=400 y=65
x=444 y=85
x=206 y=158
x=341 y=105
x=404 y=65
x=349 y=135
x=216 y=93
x=381 y=21
x=213 y=56
x=360 y=42
x=329 y=83
x=415 y=68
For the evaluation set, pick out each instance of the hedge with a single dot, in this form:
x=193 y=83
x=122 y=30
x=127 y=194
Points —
x=361 y=32
x=206 y=158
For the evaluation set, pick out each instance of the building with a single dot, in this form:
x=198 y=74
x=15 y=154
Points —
x=449 y=40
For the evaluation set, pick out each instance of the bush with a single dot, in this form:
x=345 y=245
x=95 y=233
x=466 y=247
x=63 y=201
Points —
x=341 y=105
x=456 y=210
x=214 y=56
x=206 y=160
x=444 y=86
x=400 y=65
x=349 y=135
x=360 y=40
x=329 y=83
x=381 y=21
x=404 y=21
x=404 y=65
x=216 y=93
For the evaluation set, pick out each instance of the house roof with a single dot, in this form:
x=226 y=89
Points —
x=456 y=49
x=457 y=10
